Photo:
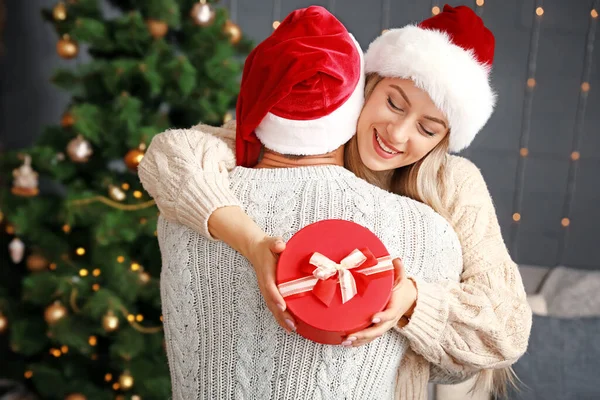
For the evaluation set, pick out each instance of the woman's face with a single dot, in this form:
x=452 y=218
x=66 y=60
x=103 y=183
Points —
x=398 y=125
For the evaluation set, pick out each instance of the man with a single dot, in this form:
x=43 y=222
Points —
x=299 y=107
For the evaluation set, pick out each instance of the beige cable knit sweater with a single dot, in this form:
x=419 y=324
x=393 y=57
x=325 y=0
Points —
x=458 y=328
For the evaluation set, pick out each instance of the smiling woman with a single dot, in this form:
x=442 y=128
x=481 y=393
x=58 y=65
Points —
x=399 y=124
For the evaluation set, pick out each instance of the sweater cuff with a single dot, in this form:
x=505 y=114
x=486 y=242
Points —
x=200 y=195
x=429 y=317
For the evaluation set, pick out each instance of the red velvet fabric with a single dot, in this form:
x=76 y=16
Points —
x=305 y=70
x=466 y=29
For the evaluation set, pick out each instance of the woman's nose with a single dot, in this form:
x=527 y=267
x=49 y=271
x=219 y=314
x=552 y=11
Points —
x=398 y=133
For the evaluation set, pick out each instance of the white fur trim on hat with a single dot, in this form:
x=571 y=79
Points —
x=454 y=79
x=317 y=136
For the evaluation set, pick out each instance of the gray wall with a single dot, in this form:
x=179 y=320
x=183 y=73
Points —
x=551 y=120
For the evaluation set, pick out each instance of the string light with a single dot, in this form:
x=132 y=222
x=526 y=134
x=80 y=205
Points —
x=125 y=186
x=120 y=259
x=108 y=377
x=531 y=82
x=524 y=152
x=137 y=194
x=565 y=222
x=52 y=266
x=55 y=352
x=64 y=349
x=435 y=10
x=93 y=341
x=96 y=272
x=66 y=228
x=480 y=3
x=594 y=13
x=131 y=318
x=28 y=374
x=95 y=287
x=539 y=11
x=575 y=156
x=10 y=229
x=276 y=24
x=116 y=386
x=80 y=251
x=135 y=266
x=139 y=318
x=585 y=87
x=83 y=272
x=516 y=217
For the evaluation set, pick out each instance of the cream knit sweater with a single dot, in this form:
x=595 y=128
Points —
x=223 y=342
x=457 y=328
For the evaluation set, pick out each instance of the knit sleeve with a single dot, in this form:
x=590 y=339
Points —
x=484 y=320
x=186 y=171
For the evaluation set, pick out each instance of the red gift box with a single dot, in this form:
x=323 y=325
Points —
x=334 y=275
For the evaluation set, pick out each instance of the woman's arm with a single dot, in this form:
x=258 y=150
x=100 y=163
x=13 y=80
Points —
x=186 y=172
x=484 y=320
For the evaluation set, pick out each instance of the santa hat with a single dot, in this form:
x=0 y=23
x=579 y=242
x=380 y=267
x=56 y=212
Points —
x=450 y=57
x=302 y=88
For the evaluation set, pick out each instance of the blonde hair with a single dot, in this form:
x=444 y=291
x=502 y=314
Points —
x=423 y=181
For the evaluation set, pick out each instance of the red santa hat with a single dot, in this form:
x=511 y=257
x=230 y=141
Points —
x=302 y=88
x=450 y=57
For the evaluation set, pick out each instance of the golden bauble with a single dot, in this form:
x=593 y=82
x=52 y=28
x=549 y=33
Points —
x=79 y=150
x=67 y=120
x=233 y=31
x=67 y=47
x=126 y=381
x=3 y=323
x=59 y=12
x=75 y=396
x=202 y=14
x=36 y=262
x=116 y=193
x=134 y=157
x=55 y=312
x=157 y=29
x=110 y=322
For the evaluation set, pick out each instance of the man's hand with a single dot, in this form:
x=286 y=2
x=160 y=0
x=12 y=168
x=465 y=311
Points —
x=402 y=303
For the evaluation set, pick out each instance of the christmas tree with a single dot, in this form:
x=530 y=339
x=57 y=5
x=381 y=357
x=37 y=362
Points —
x=80 y=314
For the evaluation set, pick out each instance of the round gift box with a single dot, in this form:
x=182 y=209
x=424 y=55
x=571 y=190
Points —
x=335 y=239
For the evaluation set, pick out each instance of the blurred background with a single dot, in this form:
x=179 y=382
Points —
x=539 y=153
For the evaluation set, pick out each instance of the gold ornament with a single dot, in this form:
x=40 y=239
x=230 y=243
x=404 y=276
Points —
x=110 y=322
x=25 y=179
x=126 y=380
x=16 y=248
x=36 y=262
x=157 y=29
x=233 y=31
x=134 y=157
x=202 y=14
x=75 y=396
x=116 y=193
x=67 y=48
x=59 y=12
x=67 y=120
x=79 y=150
x=3 y=323
x=54 y=312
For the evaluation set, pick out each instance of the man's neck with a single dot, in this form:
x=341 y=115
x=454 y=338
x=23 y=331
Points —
x=271 y=159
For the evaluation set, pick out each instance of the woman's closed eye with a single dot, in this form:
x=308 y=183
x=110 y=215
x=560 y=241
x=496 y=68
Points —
x=425 y=131
x=394 y=106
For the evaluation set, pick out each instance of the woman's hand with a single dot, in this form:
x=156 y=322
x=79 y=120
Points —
x=263 y=256
x=401 y=304
x=234 y=227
